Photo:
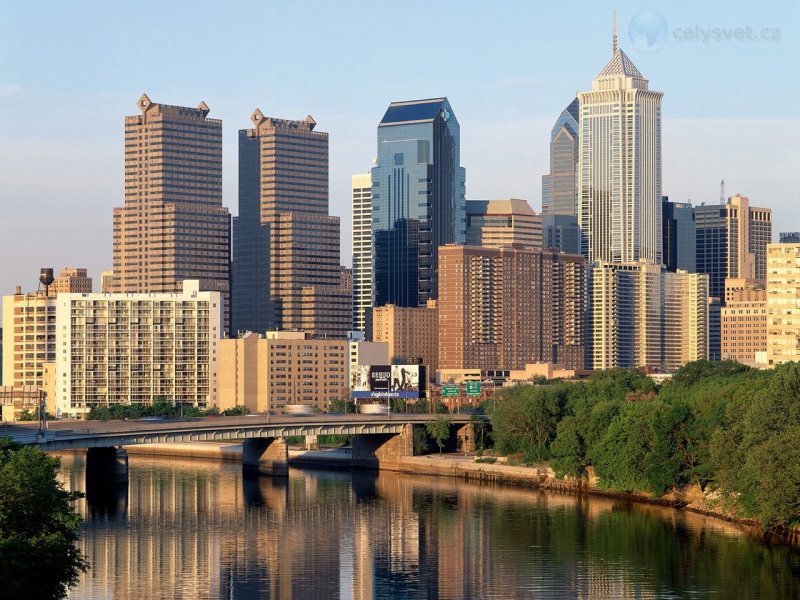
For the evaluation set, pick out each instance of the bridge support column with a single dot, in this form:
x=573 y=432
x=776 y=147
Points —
x=312 y=443
x=267 y=456
x=109 y=465
x=383 y=451
x=465 y=438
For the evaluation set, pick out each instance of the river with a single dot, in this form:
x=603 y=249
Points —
x=188 y=529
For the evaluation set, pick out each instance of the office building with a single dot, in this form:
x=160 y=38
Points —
x=29 y=338
x=498 y=223
x=503 y=308
x=783 y=298
x=560 y=187
x=678 y=235
x=284 y=241
x=418 y=200
x=172 y=226
x=106 y=281
x=411 y=333
x=362 y=249
x=282 y=369
x=643 y=316
x=743 y=322
x=619 y=165
x=731 y=241
x=561 y=232
x=71 y=280
x=137 y=348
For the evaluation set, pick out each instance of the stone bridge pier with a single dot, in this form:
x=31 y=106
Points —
x=465 y=438
x=383 y=451
x=266 y=456
x=108 y=465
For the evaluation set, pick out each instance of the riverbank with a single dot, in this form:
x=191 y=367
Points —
x=464 y=467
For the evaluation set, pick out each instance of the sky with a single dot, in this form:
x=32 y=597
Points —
x=71 y=71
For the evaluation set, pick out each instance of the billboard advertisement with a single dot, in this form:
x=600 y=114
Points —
x=388 y=381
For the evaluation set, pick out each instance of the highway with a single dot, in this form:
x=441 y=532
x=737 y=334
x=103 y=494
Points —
x=69 y=434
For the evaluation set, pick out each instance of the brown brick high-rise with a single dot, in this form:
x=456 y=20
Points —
x=172 y=226
x=503 y=308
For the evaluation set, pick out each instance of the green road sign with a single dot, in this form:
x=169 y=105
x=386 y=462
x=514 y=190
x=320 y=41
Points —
x=450 y=390
x=473 y=388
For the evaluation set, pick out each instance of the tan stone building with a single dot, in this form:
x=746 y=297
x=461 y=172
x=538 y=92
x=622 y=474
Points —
x=783 y=299
x=29 y=338
x=172 y=226
x=503 y=308
x=106 y=281
x=643 y=316
x=284 y=240
x=72 y=280
x=743 y=322
x=498 y=223
x=412 y=333
x=283 y=369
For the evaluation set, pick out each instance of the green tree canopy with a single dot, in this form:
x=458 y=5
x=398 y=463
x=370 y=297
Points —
x=38 y=526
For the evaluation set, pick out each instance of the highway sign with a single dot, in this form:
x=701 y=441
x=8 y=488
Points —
x=450 y=390
x=473 y=388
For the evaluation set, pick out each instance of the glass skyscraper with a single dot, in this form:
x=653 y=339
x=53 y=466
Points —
x=559 y=188
x=678 y=240
x=418 y=199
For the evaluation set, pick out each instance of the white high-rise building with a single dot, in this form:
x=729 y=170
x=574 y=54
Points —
x=619 y=165
x=362 y=249
x=127 y=348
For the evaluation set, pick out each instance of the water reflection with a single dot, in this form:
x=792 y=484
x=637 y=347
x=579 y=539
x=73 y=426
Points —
x=196 y=529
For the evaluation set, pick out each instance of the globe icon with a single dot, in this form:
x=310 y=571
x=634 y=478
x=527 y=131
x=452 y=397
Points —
x=648 y=32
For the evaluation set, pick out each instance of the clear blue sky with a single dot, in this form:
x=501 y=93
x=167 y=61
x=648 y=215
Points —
x=71 y=71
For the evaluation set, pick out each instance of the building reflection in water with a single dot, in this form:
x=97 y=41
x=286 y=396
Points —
x=198 y=529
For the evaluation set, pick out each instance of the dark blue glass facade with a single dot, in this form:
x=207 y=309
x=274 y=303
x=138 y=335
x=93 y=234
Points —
x=418 y=199
x=679 y=235
x=251 y=309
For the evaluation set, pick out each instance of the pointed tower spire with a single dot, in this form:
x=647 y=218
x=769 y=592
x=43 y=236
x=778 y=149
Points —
x=614 y=44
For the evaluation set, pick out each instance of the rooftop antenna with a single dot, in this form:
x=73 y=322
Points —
x=614 y=46
x=722 y=192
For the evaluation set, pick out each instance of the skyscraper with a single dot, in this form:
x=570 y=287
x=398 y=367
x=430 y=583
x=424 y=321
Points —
x=644 y=316
x=678 y=235
x=559 y=187
x=619 y=165
x=285 y=245
x=503 y=308
x=497 y=223
x=418 y=201
x=561 y=232
x=362 y=249
x=731 y=241
x=172 y=226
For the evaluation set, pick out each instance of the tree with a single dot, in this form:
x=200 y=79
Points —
x=439 y=430
x=525 y=420
x=342 y=405
x=38 y=526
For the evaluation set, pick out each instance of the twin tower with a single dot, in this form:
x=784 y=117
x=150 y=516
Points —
x=283 y=268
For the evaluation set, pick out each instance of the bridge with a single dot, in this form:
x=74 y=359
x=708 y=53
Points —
x=379 y=441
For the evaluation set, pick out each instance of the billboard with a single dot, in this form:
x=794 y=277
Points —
x=388 y=381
